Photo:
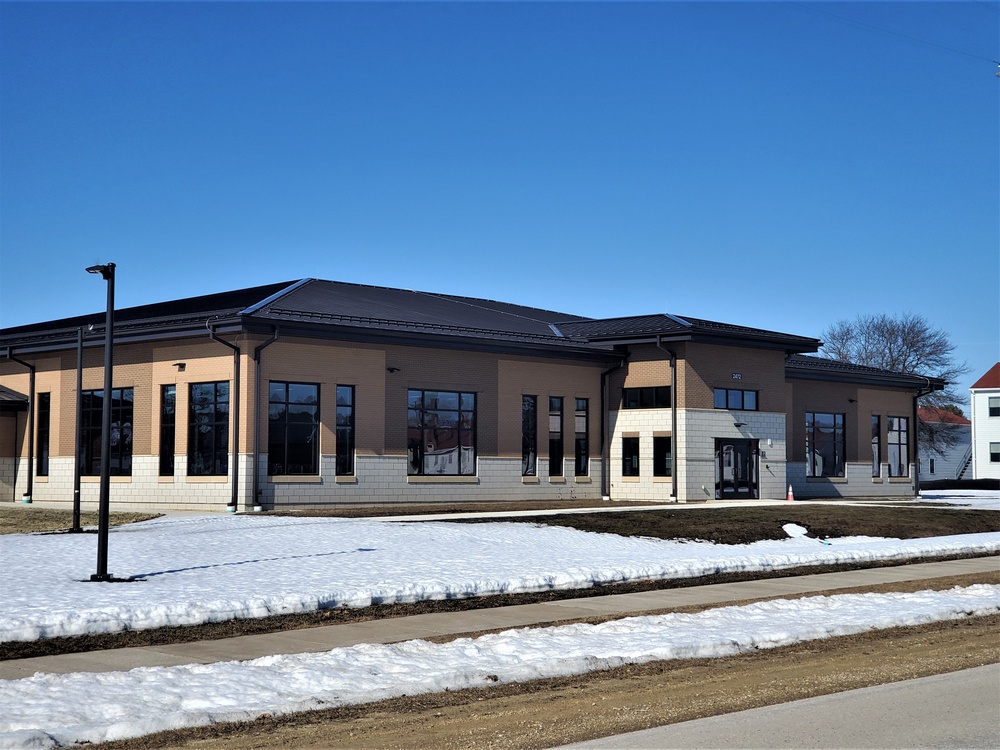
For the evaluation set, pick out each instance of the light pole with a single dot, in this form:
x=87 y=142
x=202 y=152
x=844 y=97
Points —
x=103 y=515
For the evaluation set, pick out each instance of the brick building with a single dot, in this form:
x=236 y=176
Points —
x=316 y=392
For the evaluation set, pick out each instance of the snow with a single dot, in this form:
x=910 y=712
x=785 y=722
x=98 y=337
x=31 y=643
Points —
x=973 y=499
x=195 y=569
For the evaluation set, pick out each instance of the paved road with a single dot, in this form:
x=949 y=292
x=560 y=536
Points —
x=956 y=710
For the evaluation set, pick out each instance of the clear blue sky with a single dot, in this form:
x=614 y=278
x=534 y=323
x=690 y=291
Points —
x=781 y=165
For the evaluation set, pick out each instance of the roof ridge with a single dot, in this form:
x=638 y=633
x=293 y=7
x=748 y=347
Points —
x=274 y=297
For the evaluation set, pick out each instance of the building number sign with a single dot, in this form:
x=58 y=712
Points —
x=737 y=376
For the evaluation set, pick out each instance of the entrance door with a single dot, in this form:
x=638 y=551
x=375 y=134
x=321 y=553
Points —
x=736 y=469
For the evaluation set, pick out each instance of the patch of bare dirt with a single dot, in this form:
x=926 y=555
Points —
x=28 y=519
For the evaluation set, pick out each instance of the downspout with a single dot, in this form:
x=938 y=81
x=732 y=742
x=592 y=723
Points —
x=673 y=415
x=605 y=424
x=255 y=417
x=233 y=501
x=26 y=498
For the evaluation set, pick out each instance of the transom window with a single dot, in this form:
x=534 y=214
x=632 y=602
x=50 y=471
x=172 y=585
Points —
x=734 y=398
x=652 y=397
x=824 y=444
x=292 y=429
x=441 y=433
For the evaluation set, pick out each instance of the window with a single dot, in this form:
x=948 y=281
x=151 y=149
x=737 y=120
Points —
x=995 y=453
x=44 y=413
x=441 y=433
x=92 y=406
x=898 y=448
x=876 y=445
x=582 y=449
x=931 y=462
x=630 y=456
x=208 y=429
x=529 y=436
x=994 y=406
x=663 y=460
x=654 y=397
x=345 y=430
x=292 y=429
x=824 y=444
x=555 y=436
x=733 y=398
x=168 y=429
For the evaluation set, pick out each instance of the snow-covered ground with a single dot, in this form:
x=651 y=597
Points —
x=204 y=568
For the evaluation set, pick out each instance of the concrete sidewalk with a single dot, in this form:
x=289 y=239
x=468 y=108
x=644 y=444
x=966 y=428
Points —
x=454 y=623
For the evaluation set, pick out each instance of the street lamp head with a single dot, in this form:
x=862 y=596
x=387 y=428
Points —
x=107 y=271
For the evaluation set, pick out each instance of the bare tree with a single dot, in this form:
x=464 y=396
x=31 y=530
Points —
x=905 y=343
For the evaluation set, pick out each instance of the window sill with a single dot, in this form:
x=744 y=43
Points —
x=114 y=480
x=665 y=480
x=557 y=480
x=876 y=480
x=295 y=479
x=632 y=479
x=346 y=479
x=206 y=479
x=899 y=480
x=165 y=480
x=42 y=479
x=583 y=480
x=440 y=479
x=827 y=480
x=529 y=480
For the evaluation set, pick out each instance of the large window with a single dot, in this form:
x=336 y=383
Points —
x=663 y=460
x=876 y=445
x=529 y=436
x=208 y=429
x=824 y=444
x=653 y=397
x=292 y=429
x=441 y=433
x=168 y=429
x=582 y=448
x=734 y=398
x=44 y=413
x=555 y=436
x=92 y=406
x=898 y=447
x=345 y=430
x=630 y=456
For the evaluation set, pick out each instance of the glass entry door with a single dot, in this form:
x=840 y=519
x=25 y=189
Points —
x=736 y=463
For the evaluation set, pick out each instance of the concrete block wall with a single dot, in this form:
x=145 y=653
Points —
x=858 y=482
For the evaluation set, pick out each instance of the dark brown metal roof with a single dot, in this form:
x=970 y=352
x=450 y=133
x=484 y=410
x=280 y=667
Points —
x=818 y=368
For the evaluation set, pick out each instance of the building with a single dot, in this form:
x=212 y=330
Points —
x=986 y=425
x=316 y=392
x=954 y=435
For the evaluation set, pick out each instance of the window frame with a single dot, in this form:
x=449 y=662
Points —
x=993 y=406
x=91 y=429
x=282 y=430
x=631 y=456
x=659 y=441
x=735 y=399
x=557 y=453
x=876 y=445
x=465 y=430
x=813 y=445
x=994 y=451
x=345 y=464
x=581 y=445
x=529 y=435
x=901 y=444
x=168 y=429
x=646 y=397
x=218 y=422
x=43 y=432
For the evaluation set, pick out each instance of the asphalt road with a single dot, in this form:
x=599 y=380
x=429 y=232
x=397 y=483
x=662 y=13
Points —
x=956 y=710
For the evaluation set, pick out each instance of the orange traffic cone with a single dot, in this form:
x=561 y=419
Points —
x=791 y=495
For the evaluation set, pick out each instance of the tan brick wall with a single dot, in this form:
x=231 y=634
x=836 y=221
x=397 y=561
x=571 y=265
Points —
x=707 y=366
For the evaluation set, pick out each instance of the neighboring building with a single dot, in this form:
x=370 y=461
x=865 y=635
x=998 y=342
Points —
x=986 y=425
x=954 y=433
x=316 y=392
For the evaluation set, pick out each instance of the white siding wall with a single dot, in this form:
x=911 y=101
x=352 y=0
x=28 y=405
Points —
x=985 y=430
